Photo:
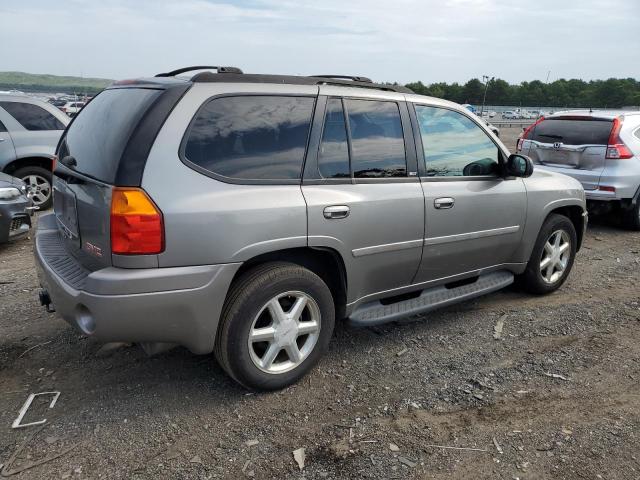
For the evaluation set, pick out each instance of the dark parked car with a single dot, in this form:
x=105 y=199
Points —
x=15 y=208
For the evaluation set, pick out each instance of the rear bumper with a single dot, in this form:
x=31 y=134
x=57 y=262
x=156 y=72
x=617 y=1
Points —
x=180 y=305
x=622 y=175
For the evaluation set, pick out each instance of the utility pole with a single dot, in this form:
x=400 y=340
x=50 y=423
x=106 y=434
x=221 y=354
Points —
x=486 y=79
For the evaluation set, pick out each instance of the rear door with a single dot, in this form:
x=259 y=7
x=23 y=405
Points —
x=96 y=142
x=363 y=195
x=573 y=145
x=474 y=216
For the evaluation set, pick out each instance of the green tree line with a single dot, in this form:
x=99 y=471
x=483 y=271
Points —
x=611 y=93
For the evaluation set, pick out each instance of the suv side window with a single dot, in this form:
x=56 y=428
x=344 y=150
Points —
x=333 y=157
x=454 y=145
x=377 y=142
x=2 y=127
x=32 y=117
x=251 y=137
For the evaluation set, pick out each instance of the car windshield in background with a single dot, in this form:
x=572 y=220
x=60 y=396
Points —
x=572 y=131
x=99 y=133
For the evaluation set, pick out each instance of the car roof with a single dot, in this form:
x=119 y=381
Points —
x=605 y=114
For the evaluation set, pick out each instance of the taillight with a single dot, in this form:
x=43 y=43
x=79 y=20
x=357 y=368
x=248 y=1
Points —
x=54 y=162
x=136 y=223
x=616 y=149
x=526 y=133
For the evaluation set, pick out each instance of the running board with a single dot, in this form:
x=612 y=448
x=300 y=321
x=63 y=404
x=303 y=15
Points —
x=375 y=313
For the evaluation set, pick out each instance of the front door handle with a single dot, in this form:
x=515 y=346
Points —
x=336 y=211
x=444 y=202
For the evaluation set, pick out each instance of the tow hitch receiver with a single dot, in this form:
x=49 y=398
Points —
x=45 y=300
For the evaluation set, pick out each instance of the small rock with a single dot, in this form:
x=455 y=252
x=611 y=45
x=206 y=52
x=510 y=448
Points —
x=402 y=352
x=251 y=443
x=407 y=462
x=51 y=440
x=393 y=447
x=478 y=396
x=299 y=457
x=196 y=459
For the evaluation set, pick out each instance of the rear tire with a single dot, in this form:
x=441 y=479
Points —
x=631 y=217
x=552 y=256
x=40 y=181
x=275 y=325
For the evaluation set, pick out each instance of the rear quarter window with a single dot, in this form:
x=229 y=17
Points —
x=252 y=137
x=573 y=132
x=32 y=117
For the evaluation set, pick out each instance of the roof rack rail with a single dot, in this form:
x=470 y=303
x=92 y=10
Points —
x=173 y=73
x=346 y=77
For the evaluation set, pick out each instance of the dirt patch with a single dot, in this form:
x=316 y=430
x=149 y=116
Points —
x=178 y=416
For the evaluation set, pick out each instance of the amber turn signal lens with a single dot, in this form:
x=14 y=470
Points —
x=136 y=223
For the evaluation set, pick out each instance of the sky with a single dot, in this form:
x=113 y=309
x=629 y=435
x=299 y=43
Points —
x=387 y=40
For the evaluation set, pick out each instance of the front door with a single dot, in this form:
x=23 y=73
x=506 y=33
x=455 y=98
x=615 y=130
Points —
x=363 y=196
x=474 y=216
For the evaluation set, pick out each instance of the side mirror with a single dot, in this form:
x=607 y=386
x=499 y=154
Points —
x=519 y=165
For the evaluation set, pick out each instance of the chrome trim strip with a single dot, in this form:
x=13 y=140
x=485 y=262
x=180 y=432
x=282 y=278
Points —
x=471 y=235
x=389 y=247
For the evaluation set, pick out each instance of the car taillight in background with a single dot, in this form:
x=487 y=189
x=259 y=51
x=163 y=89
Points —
x=136 y=223
x=616 y=149
x=526 y=133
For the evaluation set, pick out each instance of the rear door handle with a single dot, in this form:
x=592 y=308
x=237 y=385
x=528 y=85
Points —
x=444 y=202
x=336 y=211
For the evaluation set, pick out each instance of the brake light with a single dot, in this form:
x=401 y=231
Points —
x=54 y=162
x=136 y=223
x=616 y=149
x=526 y=133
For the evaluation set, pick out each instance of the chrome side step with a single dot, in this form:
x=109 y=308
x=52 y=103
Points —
x=375 y=313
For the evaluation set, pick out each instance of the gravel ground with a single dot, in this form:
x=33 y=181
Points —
x=555 y=396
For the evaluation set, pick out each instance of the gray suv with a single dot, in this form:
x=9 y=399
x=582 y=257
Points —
x=29 y=132
x=244 y=214
x=599 y=148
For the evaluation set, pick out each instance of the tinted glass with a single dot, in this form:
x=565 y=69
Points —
x=454 y=145
x=2 y=127
x=377 y=143
x=333 y=158
x=99 y=133
x=251 y=137
x=572 y=132
x=32 y=117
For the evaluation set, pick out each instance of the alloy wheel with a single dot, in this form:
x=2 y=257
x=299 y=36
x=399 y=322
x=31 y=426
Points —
x=555 y=256
x=284 y=332
x=40 y=188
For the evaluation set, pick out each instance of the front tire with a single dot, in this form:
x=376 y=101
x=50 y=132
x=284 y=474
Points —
x=275 y=325
x=552 y=256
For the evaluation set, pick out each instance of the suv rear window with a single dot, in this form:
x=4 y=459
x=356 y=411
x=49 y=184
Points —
x=251 y=137
x=32 y=117
x=572 y=131
x=99 y=133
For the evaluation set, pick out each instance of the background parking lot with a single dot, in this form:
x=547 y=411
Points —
x=553 y=393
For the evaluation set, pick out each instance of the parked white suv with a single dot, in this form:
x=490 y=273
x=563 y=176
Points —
x=29 y=132
x=72 y=108
x=601 y=149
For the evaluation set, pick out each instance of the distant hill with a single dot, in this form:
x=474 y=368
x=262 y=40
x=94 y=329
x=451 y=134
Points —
x=30 y=82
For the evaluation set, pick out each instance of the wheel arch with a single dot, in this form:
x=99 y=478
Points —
x=575 y=214
x=325 y=262
x=33 y=161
